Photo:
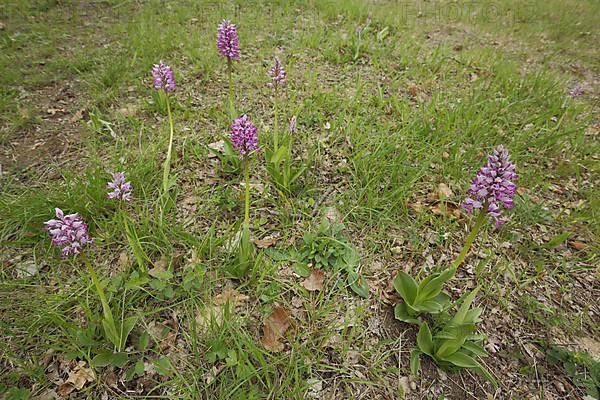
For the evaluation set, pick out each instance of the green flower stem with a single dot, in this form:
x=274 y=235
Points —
x=108 y=316
x=247 y=205
x=275 y=125
x=229 y=73
x=476 y=228
x=167 y=165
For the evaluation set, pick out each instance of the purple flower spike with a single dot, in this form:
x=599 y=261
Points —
x=227 y=40
x=493 y=186
x=277 y=74
x=577 y=90
x=163 y=77
x=68 y=231
x=121 y=190
x=243 y=135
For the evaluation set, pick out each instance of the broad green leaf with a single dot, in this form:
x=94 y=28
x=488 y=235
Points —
x=301 y=269
x=359 y=285
x=424 y=339
x=136 y=280
x=472 y=316
x=139 y=367
x=401 y=313
x=351 y=258
x=483 y=371
x=459 y=318
x=557 y=240
x=406 y=286
x=278 y=255
x=129 y=374
x=429 y=289
x=450 y=346
x=231 y=360
x=415 y=361
x=474 y=348
x=443 y=299
x=128 y=325
x=279 y=156
x=461 y=360
x=429 y=306
x=108 y=358
x=163 y=366
x=136 y=247
x=164 y=276
x=110 y=332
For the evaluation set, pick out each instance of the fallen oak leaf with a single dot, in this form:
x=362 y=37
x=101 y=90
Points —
x=231 y=296
x=443 y=191
x=266 y=242
x=314 y=281
x=77 y=379
x=577 y=245
x=275 y=326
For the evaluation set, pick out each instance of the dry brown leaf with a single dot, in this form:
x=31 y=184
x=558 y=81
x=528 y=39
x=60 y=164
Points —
x=446 y=209
x=412 y=90
x=266 y=242
x=230 y=296
x=275 y=326
x=79 y=115
x=216 y=146
x=77 y=379
x=577 y=245
x=417 y=206
x=443 y=191
x=314 y=281
x=168 y=341
x=159 y=267
x=110 y=379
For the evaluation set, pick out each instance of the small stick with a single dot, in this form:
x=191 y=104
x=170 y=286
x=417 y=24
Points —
x=321 y=199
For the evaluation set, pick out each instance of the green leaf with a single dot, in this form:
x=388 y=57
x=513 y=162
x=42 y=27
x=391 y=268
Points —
x=474 y=348
x=231 y=359
x=359 y=285
x=450 y=346
x=415 y=361
x=144 y=341
x=429 y=306
x=110 y=332
x=301 y=269
x=163 y=366
x=557 y=240
x=139 y=367
x=278 y=255
x=443 y=299
x=459 y=318
x=136 y=247
x=351 y=257
x=164 y=276
x=136 y=280
x=279 y=156
x=429 y=289
x=406 y=286
x=128 y=325
x=424 y=339
x=401 y=314
x=473 y=315
x=461 y=360
x=17 y=394
x=108 y=358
